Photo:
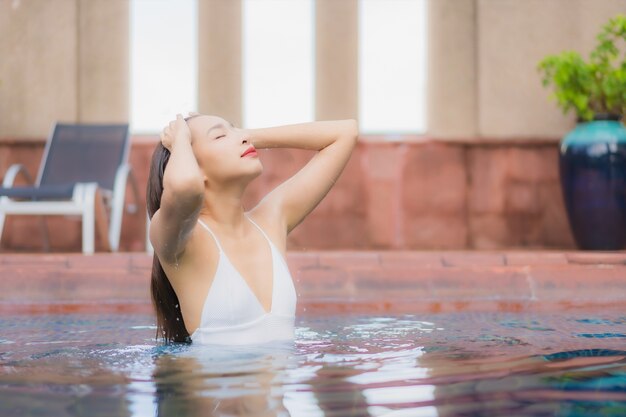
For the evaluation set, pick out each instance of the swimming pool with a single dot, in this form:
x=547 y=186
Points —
x=471 y=363
x=396 y=333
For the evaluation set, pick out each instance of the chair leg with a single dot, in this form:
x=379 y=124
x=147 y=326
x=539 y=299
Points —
x=115 y=225
x=122 y=176
x=8 y=181
x=88 y=200
x=102 y=221
x=2 y=218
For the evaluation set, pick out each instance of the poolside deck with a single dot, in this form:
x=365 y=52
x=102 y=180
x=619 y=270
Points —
x=340 y=281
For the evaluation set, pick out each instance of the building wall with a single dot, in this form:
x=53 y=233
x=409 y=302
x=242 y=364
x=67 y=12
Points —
x=69 y=60
x=63 y=60
x=462 y=186
x=405 y=195
x=483 y=55
x=513 y=36
x=38 y=69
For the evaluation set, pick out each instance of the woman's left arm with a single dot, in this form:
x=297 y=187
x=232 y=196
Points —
x=295 y=198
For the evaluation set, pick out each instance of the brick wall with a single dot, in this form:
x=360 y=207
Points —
x=418 y=194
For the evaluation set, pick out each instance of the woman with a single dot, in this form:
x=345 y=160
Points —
x=219 y=273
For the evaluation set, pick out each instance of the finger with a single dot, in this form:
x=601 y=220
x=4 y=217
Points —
x=193 y=113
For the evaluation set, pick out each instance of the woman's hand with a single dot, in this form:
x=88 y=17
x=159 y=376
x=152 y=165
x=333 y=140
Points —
x=175 y=131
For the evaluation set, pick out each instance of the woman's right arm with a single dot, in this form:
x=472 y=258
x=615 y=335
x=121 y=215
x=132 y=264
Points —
x=183 y=193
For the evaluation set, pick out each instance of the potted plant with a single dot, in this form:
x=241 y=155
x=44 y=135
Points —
x=592 y=157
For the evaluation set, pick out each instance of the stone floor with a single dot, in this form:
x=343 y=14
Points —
x=339 y=281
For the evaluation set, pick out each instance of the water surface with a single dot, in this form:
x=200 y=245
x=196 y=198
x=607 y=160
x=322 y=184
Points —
x=448 y=364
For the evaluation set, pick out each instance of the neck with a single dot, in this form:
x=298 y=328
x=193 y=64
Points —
x=223 y=207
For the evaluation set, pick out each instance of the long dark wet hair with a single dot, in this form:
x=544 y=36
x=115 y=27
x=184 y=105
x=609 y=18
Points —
x=170 y=323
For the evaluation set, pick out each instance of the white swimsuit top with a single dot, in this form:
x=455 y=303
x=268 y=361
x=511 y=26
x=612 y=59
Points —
x=233 y=315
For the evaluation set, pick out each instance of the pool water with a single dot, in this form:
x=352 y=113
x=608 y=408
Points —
x=447 y=364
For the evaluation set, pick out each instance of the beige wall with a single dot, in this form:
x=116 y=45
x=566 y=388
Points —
x=38 y=68
x=219 y=59
x=451 y=85
x=336 y=59
x=513 y=37
x=68 y=60
x=483 y=56
x=62 y=60
x=103 y=61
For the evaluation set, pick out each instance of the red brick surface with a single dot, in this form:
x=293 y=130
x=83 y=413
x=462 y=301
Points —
x=530 y=258
x=596 y=258
x=408 y=259
x=422 y=194
x=434 y=180
x=380 y=280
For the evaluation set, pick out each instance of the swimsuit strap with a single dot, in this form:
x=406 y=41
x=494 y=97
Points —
x=259 y=227
x=218 y=242
x=212 y=234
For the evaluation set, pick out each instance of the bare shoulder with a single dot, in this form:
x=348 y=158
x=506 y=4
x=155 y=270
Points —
x=268 y=216
x=198 y=261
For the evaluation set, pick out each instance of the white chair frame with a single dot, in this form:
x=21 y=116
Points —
x=82 y=203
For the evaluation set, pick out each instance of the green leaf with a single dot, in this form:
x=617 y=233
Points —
x=595 y=85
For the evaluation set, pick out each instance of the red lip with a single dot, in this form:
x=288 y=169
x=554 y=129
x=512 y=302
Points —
x=251 y=149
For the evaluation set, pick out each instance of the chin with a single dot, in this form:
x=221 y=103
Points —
x=259 y=171
x=258 y=167
x=252 y=173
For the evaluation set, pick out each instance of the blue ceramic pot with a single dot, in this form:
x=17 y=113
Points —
x=592 y=165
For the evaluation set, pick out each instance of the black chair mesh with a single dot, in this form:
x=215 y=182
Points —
x=77 y=153
x=85 y=153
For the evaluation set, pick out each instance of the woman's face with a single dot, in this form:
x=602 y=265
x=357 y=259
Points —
x=218 y=146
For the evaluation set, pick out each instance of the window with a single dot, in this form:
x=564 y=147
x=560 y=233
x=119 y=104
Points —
x=392 y=66
x=163 y=73
x=278 y=62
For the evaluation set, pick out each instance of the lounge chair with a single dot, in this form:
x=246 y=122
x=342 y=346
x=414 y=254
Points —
x=84 y=168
